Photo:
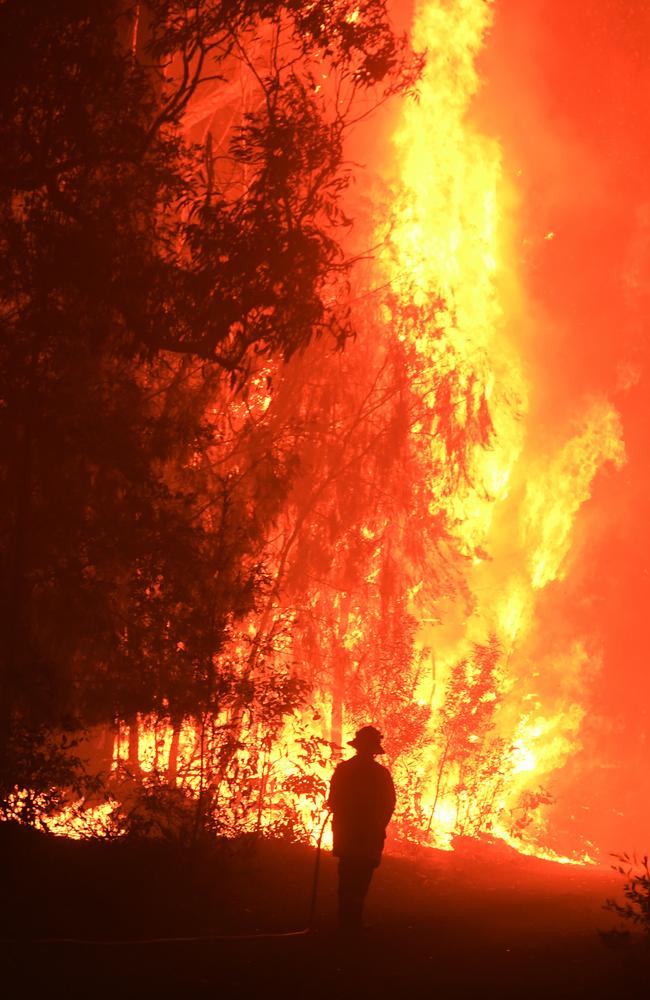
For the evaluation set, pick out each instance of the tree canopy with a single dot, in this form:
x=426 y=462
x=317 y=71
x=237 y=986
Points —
x=217 y=508
x=139 y=268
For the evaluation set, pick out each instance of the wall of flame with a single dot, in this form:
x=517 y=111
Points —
x=523 y=203
x=519 y=203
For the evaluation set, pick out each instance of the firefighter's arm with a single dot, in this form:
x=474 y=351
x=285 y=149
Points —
x=390 y=797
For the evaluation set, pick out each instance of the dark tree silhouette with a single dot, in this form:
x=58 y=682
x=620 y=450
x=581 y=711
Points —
x=127 y=255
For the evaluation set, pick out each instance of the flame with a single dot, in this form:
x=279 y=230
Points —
x=452 y=243
x=453 y=254
x=560 y=485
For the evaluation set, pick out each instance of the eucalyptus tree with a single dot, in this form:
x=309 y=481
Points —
x=138 y=269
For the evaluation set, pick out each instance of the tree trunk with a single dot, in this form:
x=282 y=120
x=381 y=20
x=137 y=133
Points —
x=107 y=749
x=264 y=780
x=340 y=662
x=338 y=699
x=172 y=761
x=16 y=627
x=200 y=801
x=441 y=769
x=134 y=746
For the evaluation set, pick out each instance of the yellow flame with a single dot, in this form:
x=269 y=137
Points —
x=450 y=244
x=559 y=487
x=515 y=514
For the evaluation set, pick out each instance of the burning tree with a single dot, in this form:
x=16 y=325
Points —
x=472 y=760
x=256 y=494
x=130 y=556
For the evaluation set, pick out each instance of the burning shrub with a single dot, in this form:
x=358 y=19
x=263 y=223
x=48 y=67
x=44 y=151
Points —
x=523 y=814
x=46 y=775
x=472 y=760
x=148 y=807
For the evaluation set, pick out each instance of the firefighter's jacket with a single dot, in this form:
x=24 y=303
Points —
x=362 y=800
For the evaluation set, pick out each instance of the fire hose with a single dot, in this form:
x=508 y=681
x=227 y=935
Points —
x=202 y=937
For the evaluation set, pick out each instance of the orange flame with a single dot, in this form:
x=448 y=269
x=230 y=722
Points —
x=514 y=516
x=451 y=241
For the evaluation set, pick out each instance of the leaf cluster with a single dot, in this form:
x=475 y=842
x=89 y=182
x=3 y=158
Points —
x=636 y=889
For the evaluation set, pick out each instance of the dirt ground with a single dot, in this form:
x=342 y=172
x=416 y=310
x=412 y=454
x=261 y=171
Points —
x=480 y=923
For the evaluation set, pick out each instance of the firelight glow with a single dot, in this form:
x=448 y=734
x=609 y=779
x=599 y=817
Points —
x=454 y=253
x=452 y=242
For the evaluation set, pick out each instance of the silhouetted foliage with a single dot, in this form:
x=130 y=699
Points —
x=42 y=775
x=133 y=534
x=636 y=889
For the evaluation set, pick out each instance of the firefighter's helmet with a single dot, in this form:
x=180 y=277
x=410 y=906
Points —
x=368 y=738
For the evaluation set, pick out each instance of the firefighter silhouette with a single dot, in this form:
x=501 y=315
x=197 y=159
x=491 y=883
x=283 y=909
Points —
x=362 y=800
